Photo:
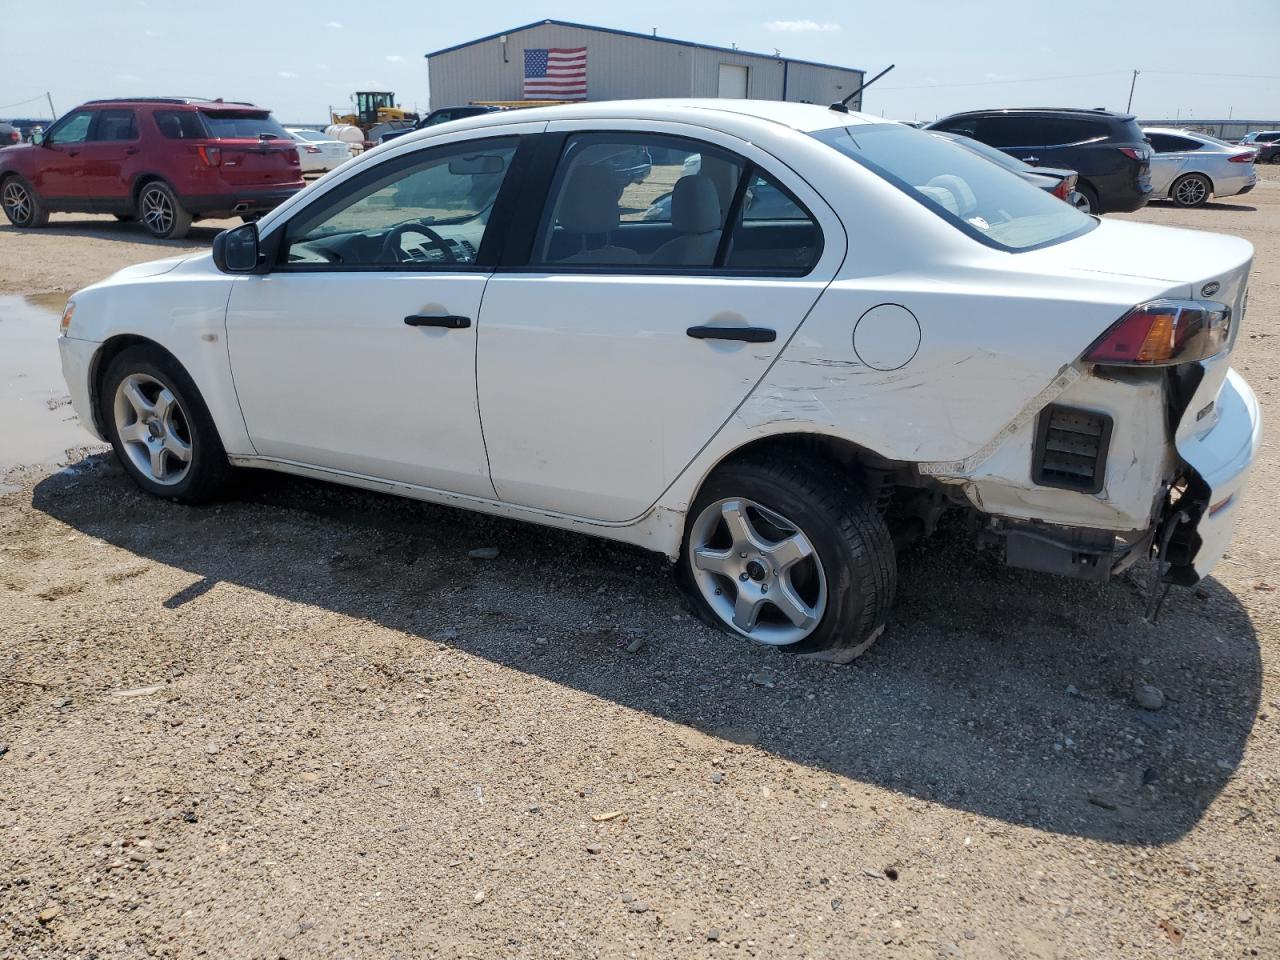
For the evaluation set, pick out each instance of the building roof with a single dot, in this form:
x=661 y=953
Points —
x=639 y=36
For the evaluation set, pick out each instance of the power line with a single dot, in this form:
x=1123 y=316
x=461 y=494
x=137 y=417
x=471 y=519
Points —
x=988 y=83
x=21 y=102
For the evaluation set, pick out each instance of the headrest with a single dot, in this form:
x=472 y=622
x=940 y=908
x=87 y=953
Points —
x=695 y=205
x=965 y=202
x=590 y=203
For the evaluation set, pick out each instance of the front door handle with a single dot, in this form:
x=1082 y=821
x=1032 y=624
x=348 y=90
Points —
x=747 y=334
x=1030 y=159
x=448 y=321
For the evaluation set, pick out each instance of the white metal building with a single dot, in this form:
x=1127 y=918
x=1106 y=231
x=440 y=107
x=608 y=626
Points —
x=621 y=65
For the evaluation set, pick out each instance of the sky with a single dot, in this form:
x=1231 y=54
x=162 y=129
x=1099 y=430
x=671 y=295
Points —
x=1198 y=61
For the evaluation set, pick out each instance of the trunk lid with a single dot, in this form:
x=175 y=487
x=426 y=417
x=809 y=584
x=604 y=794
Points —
x=256 y=150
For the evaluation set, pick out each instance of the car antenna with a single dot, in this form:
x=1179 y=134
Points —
x=843 y=105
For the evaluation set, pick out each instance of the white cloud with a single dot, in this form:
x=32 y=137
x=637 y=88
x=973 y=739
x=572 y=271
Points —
x=801 y=26
x=394 y=58
x=334 y=25
x=287 y=74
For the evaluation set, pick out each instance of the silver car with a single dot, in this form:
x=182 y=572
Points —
x=1189 y=168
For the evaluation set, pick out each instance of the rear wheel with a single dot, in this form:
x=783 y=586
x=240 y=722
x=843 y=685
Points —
x=160 y=428
x=1085 y=199
x=1192 y=190
x=21 y=205
x=789 y=557
x=161 y=212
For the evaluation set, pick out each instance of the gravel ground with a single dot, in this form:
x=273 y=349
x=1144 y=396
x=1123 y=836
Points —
x=306 y=723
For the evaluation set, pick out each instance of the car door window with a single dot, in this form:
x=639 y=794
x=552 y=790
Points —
x=1010 y=131
x=635 y=200
x=116 y=125
x=74 y=128
x=428 y=209
x=774 y=233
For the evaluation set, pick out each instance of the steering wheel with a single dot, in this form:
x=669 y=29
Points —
x=392 y=250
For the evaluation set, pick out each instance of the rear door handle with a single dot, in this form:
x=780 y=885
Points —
x=747 y=334
x=448 y=321
x=1030 y=159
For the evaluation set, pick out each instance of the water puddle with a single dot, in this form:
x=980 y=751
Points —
x=37 y=424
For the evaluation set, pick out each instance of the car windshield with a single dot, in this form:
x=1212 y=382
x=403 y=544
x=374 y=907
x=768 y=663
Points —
x=985 y=201
x=243 y=125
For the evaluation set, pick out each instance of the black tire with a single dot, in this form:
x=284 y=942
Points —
x=208 y=470
x=21 y=203
x=849 y=536
x=1191 y=190
x=161 y=213
x=1090 y=196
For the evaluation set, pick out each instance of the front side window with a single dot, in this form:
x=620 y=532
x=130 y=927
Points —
x=983 y=200
x=116 y=125
x=73 y=128
x=428 y=209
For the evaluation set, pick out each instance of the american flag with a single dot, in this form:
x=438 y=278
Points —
x=555 y=74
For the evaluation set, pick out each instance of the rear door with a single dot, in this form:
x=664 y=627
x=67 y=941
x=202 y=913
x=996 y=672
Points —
x=1172 y=153
x=608 y=359
x=256 y=150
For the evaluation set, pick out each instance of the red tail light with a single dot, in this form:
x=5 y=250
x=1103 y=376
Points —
x=1063 y=190
x=15 y=136
x=311 y=149
x=1136 y=153
x=1243 y=157
x=1163 y=333
x=212 y=156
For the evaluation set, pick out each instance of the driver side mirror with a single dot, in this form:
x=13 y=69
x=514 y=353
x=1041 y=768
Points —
x=236 y=251
x=38 y=139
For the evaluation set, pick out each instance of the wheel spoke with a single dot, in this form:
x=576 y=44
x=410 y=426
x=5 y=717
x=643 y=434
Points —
x=159 y=466
x=177 y=447
x=164 y=401
x=745 y=611
x=141 y=405
x=135 y=432
x=740 y=528
x=792 y=607
x=789 y=552
x=713 y=561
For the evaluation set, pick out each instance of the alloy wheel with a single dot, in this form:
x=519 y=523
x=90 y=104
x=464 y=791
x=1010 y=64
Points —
x=157 y=211
x=1191 y=191
x=759 y=573
x=153 y=429
x=17 y=202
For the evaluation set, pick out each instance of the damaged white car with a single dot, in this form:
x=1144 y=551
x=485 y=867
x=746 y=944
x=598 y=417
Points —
x=835 y=330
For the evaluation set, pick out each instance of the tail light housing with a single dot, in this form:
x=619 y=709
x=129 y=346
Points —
x=1243 y=157
x=311 y=149
x=1163 y=333
x=210 y=156
x=1063 y=190
x=15 y=136
x=1141 y=154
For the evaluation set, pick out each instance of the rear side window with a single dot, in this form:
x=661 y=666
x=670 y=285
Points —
x=1168 y=143
x=774 y=232
x=242 y=125
x=985 y=201
x=180 y=124
x=1013 y=130
x=116 y=125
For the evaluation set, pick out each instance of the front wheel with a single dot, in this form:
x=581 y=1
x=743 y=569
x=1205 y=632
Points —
x=1193 y=190
x=789 y=557
x=160 y=428
x=21 y=205
x=161 y=212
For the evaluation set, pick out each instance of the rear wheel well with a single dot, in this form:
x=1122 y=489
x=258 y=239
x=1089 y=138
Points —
x=142 y=181
x=109 y=350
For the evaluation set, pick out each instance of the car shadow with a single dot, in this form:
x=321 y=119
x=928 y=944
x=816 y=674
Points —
x=1207 y=205
x=126 y=232
x=997 y=692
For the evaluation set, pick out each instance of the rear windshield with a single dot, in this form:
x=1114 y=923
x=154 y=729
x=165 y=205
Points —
x=242 y=125
x=980 y=198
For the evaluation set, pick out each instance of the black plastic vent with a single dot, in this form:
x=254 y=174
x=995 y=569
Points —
x=1071 y=449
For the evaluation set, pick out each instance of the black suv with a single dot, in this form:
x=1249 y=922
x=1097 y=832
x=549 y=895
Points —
x=1108 y=150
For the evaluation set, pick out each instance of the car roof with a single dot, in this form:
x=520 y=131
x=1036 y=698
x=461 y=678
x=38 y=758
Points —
x=804 y=117
x=1060 y=111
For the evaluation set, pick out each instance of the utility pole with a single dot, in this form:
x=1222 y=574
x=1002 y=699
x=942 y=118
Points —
x=1133 y=83
x=52 y=112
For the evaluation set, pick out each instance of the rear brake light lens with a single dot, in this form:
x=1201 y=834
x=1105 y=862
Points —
x=1243 y=157
x=212 y=156
x=1138 y=153
x=1164 y=333
x=1065 y=187
x=311 y=149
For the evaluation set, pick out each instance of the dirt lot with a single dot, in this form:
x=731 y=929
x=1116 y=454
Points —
x=306 y=724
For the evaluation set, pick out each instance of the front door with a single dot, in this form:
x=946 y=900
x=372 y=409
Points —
x=106 y=158
x=61 y=173
x=655 y=299
x=357 y=351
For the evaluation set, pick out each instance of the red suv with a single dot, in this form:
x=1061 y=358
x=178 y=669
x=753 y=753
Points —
x=164 y=161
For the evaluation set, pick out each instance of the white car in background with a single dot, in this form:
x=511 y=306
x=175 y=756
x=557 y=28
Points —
x=482 y=315
x=1189 y=168
x=318 y=152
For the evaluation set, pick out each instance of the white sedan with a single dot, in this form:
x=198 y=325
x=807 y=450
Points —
x=482 y=315
x=318 y=152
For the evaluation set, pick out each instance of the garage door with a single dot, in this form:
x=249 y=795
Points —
x=733 y=81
